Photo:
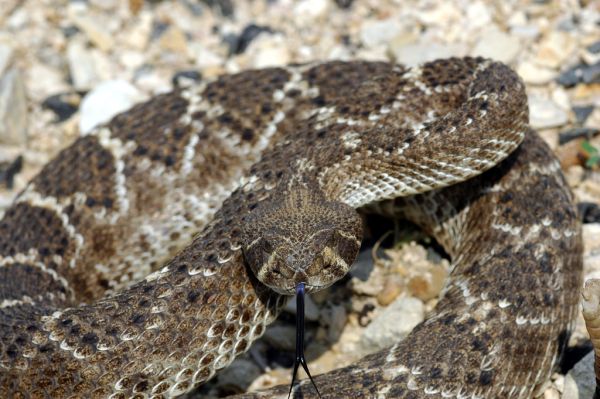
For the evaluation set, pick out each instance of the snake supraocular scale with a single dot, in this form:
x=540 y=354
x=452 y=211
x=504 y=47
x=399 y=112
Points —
x=122 y=274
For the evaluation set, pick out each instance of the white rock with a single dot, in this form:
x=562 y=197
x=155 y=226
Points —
x=81 y=66
x=534 y=74
x=545 y=113
x=6 y=53
x=497 y=45
x=310 y=9
x=418 y=53
x=379 y=32
x=105 y=101
x=392 y=324
x=478 y=15
x=580 y=381
x=556 y=49
x=13 y=108
x=269 y=51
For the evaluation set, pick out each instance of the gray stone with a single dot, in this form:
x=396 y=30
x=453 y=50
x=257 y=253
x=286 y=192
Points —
x=105 y=101
x=580 y=381
x=311 y=311
x=393 y=323
x=13 y=108
x=281 y=336
x=239 y=375
x=6 y=54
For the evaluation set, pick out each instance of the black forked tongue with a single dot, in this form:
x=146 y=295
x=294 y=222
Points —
x=300 y=359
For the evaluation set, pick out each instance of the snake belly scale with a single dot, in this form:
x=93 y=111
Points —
x=128 y=266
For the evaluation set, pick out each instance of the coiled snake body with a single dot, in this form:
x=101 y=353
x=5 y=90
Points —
x=122 y=274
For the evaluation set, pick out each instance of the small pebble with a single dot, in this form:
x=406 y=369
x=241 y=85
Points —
x=589 y=212
x=594 y=48
x=580 y=74
x=544 y=113
x=498 y=45
x=582 y=113
x=535 y=74
x=64 y=105
x=82 y=66
x=239 y=44
x=6 y=55
x=186 y=78
x=571 y=134
x=105 y=101
x=95 y=31
x=8 y=170
x=13 y=108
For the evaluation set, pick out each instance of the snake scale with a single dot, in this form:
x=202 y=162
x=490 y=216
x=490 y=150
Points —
x=138 y=262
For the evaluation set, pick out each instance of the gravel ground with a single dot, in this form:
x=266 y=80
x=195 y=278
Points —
x=66 y=66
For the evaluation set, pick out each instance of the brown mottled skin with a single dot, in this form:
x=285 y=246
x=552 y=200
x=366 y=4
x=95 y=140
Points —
x=127 y=276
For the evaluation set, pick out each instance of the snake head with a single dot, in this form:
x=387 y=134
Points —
x=301 y=239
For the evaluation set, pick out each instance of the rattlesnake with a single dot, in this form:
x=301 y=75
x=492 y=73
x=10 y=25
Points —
x=123 y=275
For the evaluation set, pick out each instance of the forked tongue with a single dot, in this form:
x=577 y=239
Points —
x=300 y=359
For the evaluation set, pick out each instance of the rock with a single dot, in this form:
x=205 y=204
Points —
x=556 y=49
x=308 y=10
x=6 y=55
x=379 y=32
x=571 y=134
x=344 y=4
x=392 y=287
x=311 y=311
x=173 y=39
x=580 y=74
x=13 y=108
x=239 y=375
x=582 y=113
x=94 y=30
x=534 y=74
x=478 y=15
x=269 y=52
x=82 y=66
x=528 y=32
x=185 y=78
x=580 y=381
x=497 y=45
x=64 y=105
x=417 y=53
x=238 y=44
x=594 y=48
x=589 y=212
x=281 y=336
x=8 y=170
x=544 y=113
x=593 y=120
x=105 y=101
x=334 y=318
x=363 y=265
x=392 y=324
